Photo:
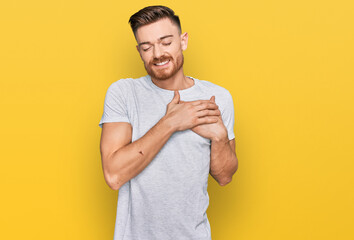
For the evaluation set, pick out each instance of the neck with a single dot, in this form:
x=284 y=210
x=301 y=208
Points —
x=176 y=82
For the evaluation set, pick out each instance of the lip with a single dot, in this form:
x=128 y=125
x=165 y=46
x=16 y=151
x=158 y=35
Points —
x=162 y=66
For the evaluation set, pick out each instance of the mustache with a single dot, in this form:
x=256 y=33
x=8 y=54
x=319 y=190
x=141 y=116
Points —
x=161 y=59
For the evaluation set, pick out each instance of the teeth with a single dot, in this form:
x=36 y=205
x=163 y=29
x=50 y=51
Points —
x=159 y=64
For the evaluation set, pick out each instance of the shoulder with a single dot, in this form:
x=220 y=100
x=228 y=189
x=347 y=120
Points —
x=212 y=86
x=122 y=82
x=214 y=89
x=125 y=84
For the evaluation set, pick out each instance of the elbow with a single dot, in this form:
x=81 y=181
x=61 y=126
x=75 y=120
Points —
x=114 y=186
x=112 y=181
x=225 y=181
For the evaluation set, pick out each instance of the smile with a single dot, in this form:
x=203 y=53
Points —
x=162 y=63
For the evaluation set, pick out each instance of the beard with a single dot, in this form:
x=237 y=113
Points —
x=165 y=73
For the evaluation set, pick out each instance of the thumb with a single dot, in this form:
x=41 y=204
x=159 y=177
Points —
x=175 y=98
x=212 y=98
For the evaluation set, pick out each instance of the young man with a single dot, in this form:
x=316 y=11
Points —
x=162 y=134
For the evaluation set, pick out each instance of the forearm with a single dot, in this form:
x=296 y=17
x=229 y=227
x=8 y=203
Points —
x=130 y=160
x=223 y=161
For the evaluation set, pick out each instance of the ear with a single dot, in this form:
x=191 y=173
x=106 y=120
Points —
x=137 y=48
x=184 y=40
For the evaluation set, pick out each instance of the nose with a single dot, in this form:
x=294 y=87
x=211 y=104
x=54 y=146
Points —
x=157 y=51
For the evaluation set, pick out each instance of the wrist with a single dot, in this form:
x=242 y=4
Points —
x=171 y=128
x=220 y=139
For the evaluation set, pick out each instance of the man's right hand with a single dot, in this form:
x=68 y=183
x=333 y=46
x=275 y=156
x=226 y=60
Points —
x=186 y=115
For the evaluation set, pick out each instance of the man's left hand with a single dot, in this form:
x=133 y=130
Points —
x=212 y=131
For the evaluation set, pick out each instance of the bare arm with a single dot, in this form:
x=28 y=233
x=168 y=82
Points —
x=129 y=159
x=122 y=159
x=223 y=161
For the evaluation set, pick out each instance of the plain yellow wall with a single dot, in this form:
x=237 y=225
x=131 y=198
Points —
x=288 y=65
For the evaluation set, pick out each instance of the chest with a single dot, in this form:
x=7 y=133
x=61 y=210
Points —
x=147 y=108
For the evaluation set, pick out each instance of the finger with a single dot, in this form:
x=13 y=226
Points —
x=176 y=97
x=208 y=112
x=198 y=102
x=206 y=105
x=206 y=120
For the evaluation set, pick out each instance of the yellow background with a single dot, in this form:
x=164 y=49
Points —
x=288 y=65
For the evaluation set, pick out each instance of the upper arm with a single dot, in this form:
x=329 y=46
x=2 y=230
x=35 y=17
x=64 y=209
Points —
x=116 y=126
x=115 y=122
x=114 y=136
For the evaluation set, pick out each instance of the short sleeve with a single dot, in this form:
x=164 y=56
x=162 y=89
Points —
x=228 y=116
x=115 y=108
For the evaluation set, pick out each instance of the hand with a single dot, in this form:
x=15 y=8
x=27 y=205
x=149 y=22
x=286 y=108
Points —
x=186 y=115
x=212 y=131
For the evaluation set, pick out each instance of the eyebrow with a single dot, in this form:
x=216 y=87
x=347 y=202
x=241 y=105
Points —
x=163 y=37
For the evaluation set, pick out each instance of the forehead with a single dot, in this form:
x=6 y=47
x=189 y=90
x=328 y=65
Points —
x=154 y=31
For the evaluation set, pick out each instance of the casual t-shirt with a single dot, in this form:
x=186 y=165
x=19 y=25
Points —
x=168 y=199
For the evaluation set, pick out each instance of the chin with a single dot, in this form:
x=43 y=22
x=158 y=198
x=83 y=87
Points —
x=160 y=75
x=163 y=76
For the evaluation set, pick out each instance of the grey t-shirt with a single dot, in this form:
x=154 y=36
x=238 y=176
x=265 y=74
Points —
x=168 y=199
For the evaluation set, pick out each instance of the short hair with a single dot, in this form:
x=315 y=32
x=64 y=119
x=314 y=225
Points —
x=152 y=14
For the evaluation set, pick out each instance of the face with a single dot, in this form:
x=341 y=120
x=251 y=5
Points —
x=160 y=47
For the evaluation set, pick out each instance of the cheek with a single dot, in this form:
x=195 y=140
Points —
x=146 y=58
x=176 y=52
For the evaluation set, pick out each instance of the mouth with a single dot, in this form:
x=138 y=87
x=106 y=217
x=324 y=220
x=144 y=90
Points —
x=162 y=64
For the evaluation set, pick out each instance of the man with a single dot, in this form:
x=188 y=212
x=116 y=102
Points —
x=162 y=134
